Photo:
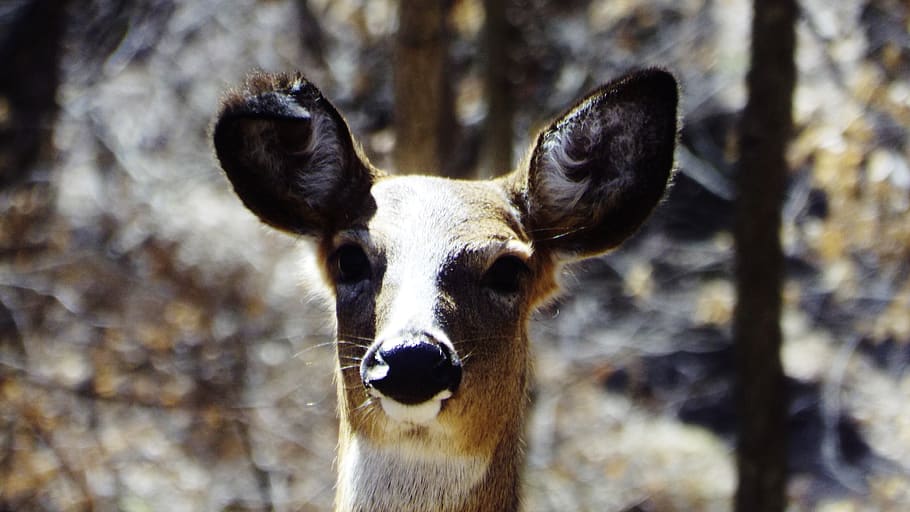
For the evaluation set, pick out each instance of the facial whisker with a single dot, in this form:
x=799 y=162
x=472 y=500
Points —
x=366 y=403
x=344 y=341
x=355 y=337
x=476 y=338
x=304 y=350
x=565 y=232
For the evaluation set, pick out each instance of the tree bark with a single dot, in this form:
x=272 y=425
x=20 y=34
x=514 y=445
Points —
x=765 y=129
x=30 y=53
x=424 y=107
x=498 y=38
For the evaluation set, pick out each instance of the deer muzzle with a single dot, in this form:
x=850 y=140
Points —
x=411 y=375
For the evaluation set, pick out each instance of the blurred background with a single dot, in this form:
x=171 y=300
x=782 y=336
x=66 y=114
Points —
x=161 y=350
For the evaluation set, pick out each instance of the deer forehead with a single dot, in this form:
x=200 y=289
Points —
x=436 y=221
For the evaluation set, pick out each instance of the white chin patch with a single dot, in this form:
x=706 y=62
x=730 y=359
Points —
x=419 y=414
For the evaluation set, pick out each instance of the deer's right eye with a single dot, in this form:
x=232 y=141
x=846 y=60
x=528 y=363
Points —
x=505 y=275
x=351 y=264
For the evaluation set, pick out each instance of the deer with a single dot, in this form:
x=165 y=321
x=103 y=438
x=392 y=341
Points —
x=434 y=280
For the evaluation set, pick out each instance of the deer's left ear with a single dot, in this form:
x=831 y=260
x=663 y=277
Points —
x=597 y=172
x=291 y=157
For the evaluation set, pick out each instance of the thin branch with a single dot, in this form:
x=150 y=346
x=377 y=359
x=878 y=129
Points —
x=71 y=473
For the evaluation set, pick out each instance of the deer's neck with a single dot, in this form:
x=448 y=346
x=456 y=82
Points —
x=412 y=475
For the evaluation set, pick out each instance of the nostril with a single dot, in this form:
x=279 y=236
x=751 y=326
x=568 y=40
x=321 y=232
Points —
x=374 y=368
x=448 y=370
x=411 y=372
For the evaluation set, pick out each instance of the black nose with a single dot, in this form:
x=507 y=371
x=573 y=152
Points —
x=411 y=370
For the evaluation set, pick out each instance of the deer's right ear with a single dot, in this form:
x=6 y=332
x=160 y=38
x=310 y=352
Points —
x=596 y=173
x=290 y=156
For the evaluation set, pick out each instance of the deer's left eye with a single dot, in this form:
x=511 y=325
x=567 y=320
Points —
x=505 y=275
x=351 y=264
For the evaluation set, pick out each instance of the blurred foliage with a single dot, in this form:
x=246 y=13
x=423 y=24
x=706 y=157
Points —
x=156 y=352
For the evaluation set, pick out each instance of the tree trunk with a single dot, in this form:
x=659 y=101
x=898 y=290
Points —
x=498 y=38
x=764 y=133
x=424 y=107
x=30 y=53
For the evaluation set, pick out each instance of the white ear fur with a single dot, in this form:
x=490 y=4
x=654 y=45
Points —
x=597 y=172
x=555 y=165
x=583 y=133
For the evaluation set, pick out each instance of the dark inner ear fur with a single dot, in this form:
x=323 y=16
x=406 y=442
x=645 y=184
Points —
x=598 y=171
x=290 y=156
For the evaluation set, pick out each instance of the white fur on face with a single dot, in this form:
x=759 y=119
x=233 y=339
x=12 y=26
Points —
x=415 y=261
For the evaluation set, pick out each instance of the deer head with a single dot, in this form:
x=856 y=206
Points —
x=434 y=279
